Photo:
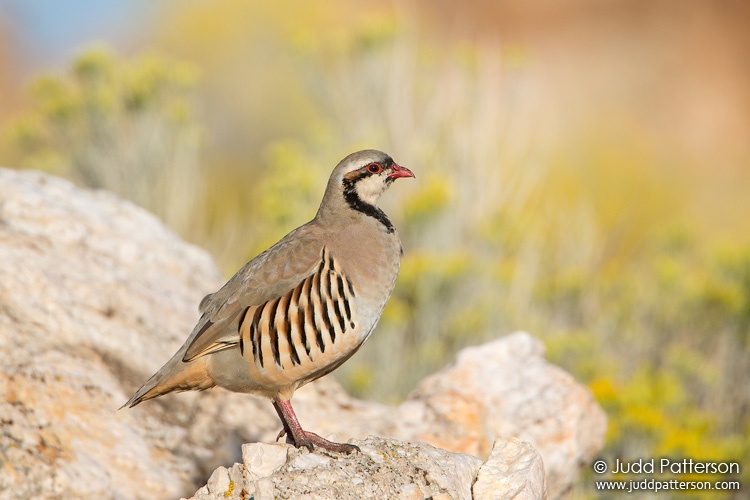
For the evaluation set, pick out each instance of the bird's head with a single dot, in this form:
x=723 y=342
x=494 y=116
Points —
x=362 y=177
x=357 y=183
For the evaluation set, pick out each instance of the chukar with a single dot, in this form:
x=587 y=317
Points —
x=303 y=307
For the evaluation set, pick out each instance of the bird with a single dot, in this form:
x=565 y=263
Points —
x=301 y=308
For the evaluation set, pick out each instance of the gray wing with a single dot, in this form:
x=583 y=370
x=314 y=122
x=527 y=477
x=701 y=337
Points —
x=268 y=276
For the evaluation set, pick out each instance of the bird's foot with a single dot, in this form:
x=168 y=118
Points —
x=310 y=440
x=298 y=437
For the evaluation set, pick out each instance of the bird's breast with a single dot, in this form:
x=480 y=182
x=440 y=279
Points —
x=316 y=326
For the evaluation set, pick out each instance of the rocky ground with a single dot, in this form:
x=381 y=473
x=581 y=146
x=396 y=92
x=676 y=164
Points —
x=95 y=294
x=385 y=468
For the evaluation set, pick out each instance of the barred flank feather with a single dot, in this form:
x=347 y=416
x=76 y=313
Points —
x=317 y=308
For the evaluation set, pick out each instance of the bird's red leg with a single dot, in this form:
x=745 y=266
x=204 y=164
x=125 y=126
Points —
x=298 y=437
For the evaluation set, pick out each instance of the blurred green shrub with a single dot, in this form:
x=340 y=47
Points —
x=129 y=127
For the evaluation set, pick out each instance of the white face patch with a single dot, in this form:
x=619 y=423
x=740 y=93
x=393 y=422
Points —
x=370 y=188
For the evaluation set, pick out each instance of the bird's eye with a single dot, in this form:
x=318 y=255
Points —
x=374 y=168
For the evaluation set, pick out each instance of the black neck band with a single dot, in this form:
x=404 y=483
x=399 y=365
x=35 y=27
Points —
x=355 y=202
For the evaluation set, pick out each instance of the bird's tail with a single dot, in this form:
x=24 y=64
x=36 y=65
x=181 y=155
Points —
x=176 y=375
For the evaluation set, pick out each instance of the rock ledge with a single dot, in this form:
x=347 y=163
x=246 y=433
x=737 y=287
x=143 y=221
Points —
x=386 y=468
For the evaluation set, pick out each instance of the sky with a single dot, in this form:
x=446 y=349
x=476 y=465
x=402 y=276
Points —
x=51 y=31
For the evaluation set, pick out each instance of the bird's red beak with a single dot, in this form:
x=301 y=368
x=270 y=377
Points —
x=399 y=172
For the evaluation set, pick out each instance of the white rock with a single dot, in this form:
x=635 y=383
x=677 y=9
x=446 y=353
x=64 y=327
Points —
x=219 y=481
x=261 y=460
x=201 y=493
x=410 y=492
x=310 y=461
x=457 y=473
x=513 y=471
x=264 y=489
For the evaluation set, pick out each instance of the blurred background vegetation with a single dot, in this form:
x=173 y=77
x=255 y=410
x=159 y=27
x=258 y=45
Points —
x=583 y=173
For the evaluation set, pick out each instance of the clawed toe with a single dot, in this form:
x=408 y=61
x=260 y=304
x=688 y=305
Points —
x=312 y=441
x=330 y=445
